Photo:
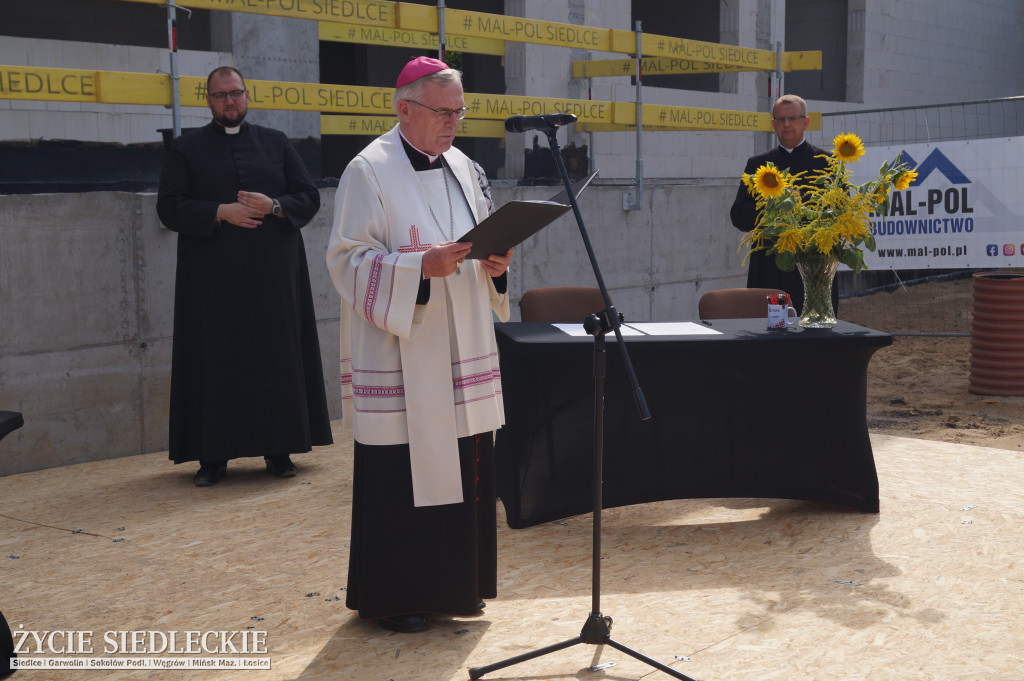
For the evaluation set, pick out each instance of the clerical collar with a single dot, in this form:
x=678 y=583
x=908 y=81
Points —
x=420 y=160
x=228 y=130
x=790 y=149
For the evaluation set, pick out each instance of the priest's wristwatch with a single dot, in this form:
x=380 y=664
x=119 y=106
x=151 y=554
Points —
x=277 y=208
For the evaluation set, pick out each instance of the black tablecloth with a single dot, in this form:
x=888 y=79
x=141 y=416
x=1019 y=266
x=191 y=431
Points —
x=747 y=413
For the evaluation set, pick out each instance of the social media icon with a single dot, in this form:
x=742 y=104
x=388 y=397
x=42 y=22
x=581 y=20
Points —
x=991 y=249
x=1008 y=249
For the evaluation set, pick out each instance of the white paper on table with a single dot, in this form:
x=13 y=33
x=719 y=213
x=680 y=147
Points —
x=647 y=329
x=578 y=330
x=673 y=329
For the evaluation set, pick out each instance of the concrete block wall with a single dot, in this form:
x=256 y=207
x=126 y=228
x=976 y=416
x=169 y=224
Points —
x=264 y=47
x=899 y=54
x=86 y=280
x=275 y=48
x=87 y=300
x=86 y=320
x=543 y=71
x=87 y=122
x=925 y=52
x=902 y=53
x=655 y=262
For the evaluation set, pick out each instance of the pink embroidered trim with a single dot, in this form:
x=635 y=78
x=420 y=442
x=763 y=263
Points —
x=372 y=288
x=387 y=308
x=380 y=411
x=378 y=391
x=474 y=379
x=474 y=359
x=489 y=396
x=414 y=242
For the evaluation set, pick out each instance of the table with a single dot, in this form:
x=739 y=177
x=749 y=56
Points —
x=748 y=412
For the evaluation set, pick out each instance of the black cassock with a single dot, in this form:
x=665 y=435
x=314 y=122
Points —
x=246 y=376
x=762 y=271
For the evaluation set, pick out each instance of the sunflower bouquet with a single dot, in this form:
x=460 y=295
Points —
x=820 y=214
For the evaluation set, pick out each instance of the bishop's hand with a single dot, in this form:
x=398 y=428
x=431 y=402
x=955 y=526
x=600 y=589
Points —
x=444 y=258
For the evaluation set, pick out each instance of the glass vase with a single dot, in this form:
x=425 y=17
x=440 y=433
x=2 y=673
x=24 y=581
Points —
x=817 y=274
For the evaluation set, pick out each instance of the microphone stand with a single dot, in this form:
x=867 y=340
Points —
x=597 y=629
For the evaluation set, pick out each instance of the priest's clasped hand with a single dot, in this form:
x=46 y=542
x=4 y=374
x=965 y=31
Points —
x=248 y=211
x=260 y=202
x=240 y=215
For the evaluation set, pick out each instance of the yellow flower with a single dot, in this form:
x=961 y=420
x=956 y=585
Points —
x=811 y=215
x=848 y=147
x=833 y=197
x=769 y=181
x=757 y=239
x=905 y=180
x=824 y=240
x=850 y=228
x=790 y=241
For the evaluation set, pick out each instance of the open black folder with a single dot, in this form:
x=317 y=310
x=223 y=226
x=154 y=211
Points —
x=517 y=221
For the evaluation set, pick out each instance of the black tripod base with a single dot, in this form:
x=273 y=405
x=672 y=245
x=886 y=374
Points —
x=596 y=631
x=478 y=672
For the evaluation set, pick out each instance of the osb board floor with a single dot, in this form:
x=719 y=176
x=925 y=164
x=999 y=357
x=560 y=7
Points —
x=723 y=589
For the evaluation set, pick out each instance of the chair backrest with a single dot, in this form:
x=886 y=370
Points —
x=10 y=421
x=735 y=303
x=560 y=304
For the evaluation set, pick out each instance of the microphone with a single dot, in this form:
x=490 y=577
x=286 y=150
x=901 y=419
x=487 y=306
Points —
x=545 y=123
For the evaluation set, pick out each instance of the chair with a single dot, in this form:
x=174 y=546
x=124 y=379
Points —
x=10 y=421
x=555 y=304
x=735 y=303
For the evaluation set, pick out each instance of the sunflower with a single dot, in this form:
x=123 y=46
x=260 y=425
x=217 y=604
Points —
x=769 y=182
x=905 y=180
x=811 y=216
x=848 y=147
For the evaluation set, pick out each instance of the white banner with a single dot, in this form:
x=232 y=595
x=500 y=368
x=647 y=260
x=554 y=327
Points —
x=963 y=211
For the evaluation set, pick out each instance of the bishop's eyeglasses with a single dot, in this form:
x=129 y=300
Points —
x=788 y=119
x=445 y=113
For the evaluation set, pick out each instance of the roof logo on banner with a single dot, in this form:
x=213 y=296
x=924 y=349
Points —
x=935 y=161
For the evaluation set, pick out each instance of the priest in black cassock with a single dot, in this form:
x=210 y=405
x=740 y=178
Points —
x=246 y=376
x=789 y=120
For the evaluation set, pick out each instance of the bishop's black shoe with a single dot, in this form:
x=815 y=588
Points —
x=405 y=624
